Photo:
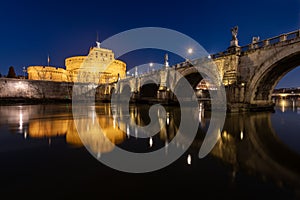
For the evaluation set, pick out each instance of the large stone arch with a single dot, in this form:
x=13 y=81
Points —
x=199 y=70
x=153 y=77
x=149 y=90
x=270 y=72
x=192 y=75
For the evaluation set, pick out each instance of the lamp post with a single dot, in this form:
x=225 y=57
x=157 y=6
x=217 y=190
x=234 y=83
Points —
x=24 y=71
x=190 y=51
x=150 y=67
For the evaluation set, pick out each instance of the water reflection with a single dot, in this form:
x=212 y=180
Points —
x=284 y=103
x=248 y=142
x=49 y=121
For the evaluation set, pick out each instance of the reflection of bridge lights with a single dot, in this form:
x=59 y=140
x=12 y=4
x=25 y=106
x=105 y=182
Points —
x=189 y=159
x=136 y=132
x=241 y=135
x=93 y=117
x=200 y=115
x=21 y=120
x=114 y=122
x=201 y=112
x=127 y=131
x=150 y=141
x=219 y=134
x=168 y=118
x=166 y=147
x=283 y=104
x=293 y=105
x=225 y=135
x=98 y=155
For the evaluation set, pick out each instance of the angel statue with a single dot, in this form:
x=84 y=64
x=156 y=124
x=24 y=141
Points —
x=234 y=32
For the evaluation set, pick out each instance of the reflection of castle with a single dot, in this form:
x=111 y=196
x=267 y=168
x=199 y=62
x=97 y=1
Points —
x=90 y=136
x=98 y=67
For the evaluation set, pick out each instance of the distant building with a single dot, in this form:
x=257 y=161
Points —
x=98 y=67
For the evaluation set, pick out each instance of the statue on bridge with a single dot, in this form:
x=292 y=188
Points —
x=166 y=60
x=234 y=32
x=234 y=40
x=255 y=39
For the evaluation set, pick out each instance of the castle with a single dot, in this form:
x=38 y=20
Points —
x=98 y=67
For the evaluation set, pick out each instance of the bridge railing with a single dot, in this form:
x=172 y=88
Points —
x=263 y=43
x=219 y=54
x=142 y=71
x=271 y=41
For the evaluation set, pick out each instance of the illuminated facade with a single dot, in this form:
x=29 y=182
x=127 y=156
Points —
x=98 y=67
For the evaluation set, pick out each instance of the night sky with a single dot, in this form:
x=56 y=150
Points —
x=32 y=30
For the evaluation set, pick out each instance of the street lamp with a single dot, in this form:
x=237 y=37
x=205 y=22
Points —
x=190 y=51
x=150 y=67
x=24 y=70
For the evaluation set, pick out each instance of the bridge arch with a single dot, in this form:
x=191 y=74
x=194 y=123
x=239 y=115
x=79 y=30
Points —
x=201 y=71
x=192 y=75
x=270 y=72
x=149 y=89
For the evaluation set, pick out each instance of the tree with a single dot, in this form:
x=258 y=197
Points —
x=11 y=72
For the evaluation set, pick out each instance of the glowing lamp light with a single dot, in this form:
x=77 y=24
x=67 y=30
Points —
x=190 y=50
x=189 y=159
x=150 y=142
x=241 y=135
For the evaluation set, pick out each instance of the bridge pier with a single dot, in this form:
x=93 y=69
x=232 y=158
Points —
x=236 y=101
x=164 y=95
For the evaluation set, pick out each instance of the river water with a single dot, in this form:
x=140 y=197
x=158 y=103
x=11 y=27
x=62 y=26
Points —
x=257 y=155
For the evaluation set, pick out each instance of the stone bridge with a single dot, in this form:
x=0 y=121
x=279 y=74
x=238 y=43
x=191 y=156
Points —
x=249 y=74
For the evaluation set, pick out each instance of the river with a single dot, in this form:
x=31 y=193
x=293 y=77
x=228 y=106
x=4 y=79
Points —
x=257 y=155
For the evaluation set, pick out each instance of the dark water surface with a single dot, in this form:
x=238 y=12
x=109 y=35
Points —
x=42 y=156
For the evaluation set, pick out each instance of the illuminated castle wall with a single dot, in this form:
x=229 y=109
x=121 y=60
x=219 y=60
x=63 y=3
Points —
x=98 y=67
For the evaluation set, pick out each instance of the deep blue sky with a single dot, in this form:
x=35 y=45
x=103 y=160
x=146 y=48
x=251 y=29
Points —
x=30 y=30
